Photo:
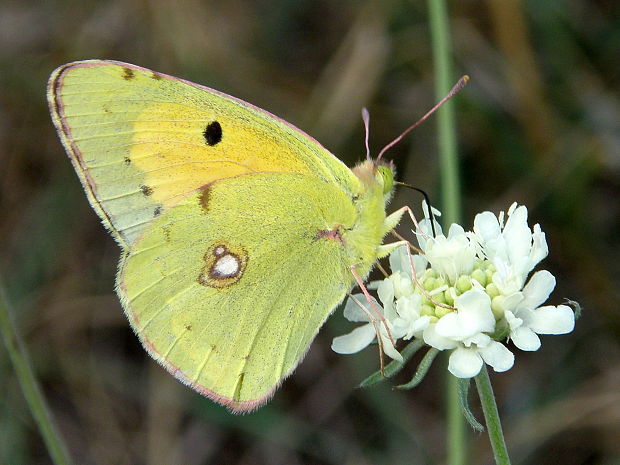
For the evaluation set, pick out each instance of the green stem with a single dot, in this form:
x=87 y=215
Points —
x=457 y=450
x=30 y=388
x=446 y=128
x=450 y=191
x=491 y=417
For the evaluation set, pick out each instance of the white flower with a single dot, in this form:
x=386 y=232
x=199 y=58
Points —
x=465 y=331
x=527 y=319
x=466 y=362
x=466 y=293
x=399 y=261
x=449 y=256
x=409 y=321
x=362 y=336
x=514 y=249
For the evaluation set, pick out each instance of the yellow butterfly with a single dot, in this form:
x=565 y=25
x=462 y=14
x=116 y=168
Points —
x=240 y=233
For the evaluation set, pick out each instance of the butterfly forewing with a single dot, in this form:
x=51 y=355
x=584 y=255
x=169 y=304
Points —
x=141 y=141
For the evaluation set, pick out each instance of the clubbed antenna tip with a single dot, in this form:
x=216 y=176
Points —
x=366 y=119
x=455 y=90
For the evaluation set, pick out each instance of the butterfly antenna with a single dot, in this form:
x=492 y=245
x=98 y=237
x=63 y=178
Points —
x=455 y=90
x=366 y=119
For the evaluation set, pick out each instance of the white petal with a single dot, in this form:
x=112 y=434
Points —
x=553 y=320
x=408 y=309
x=518 y=244
x=353 y=312
x=473 y=316
x=449 y=326
x=498 y=356
x=425 y=232
x=455 y=230
x=539 y=246
x=419 y=264
x=486 y=226
x=399 y=260
x=388 y=347
x=403 y=284
x=436 y=340
x=505 y=277
x=512 y=208
x=525 y=339
x=538 y=289
x=480 y=339
x=513 y=321
x=518 y=234
x=398 y=328
x=495 y=248
x=355 y=341
x=464 y=363
x=517 y=216
x=512 y=301
x=385 y=291
x=419 y=325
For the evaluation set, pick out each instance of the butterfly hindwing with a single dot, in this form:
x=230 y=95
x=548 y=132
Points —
x=228 y=288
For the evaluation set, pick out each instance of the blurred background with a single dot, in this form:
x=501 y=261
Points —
x=538 y=124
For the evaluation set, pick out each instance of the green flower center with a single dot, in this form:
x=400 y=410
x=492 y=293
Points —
x=443 y=294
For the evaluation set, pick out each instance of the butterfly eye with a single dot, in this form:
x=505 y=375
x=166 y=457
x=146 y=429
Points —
x=387 y=176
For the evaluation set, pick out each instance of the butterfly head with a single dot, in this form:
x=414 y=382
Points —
x=377 y=175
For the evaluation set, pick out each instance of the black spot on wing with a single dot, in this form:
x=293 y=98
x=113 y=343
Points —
x=146 y=190
x=128 y=74
x=213 y=133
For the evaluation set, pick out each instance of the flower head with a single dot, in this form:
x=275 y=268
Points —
x=468 y=293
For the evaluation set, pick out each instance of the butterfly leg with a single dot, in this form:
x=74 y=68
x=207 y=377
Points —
x=394 y=218
x=385 y=249
x=392 y=246
x=389 y=224
x=423 y=290
x=389 y=248
x=372 y=319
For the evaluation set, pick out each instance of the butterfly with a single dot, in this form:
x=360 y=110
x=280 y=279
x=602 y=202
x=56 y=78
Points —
x=240 y=234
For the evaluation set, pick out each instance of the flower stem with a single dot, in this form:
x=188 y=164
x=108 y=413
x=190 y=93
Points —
x=30 y=388
x=491 y=417
x=442 y=58
x=450 y=191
